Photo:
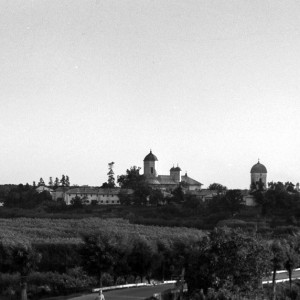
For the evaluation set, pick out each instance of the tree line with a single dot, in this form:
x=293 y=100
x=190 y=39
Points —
x=64 y=181
x=223 y=264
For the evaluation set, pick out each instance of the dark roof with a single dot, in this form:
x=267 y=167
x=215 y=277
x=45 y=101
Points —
x=150 y=157
x=258 y=168
x=113 y=191
x=203 y=193
x=166 y=179
x=175 y=169
x=99 y=191
x=82 y=190
x=190 y=180
x=152 y=180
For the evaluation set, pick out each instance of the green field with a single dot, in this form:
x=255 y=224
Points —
x=70 y=230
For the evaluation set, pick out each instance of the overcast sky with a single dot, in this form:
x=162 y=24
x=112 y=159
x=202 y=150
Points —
x=212 y=85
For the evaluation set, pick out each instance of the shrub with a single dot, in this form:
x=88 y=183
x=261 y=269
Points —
x=9 y=281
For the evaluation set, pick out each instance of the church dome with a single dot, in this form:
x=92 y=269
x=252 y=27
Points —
x=150 y=157
x=258 y=168
x=172 y=169
x=177 y=169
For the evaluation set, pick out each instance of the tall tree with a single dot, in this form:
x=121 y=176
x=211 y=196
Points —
x=41 y=182
x=178 y=195
x=228 y=259
x=98 y=254
x=217 y=187
x=133 y=180
x=233 y=200
x=292 y=257
x=56 y=182
x=67 y=181
x=111 y=178
x=278 y=255
x=140 y=258
x=50 y=182
x=21 y=257
x=63 y=180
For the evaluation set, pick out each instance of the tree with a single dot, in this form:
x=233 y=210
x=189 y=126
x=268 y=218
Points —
x=34 y=184
x=56 y=183
x=78 y=201
x=277 y=259
x=156 y=196
x=50 y=182
x=22 y=196
x=133 y=180
x=67 y=181
x=41 y=182
x=140 y=258
x=21 y=257
x=98 y=254
x=233 y=200
x=228 y=259
x=121 y=267
x=111 y=178
x=178 y=195
x=63 y=180
x=258 y=185
x=217 y=187
x=292 y=258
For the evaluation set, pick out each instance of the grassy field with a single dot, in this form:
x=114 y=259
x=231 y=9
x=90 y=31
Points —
x=70 y=230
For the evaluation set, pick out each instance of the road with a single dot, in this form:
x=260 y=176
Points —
x=139 y=293
x=283 y=276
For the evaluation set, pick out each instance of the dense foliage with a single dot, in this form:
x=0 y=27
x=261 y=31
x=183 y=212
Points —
x=223 y=263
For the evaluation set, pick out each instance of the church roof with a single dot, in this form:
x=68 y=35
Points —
x=166 y=179
x=150 y=157
x=152 y=181
x=190 y=180
x=258 y=168
x=175 y=169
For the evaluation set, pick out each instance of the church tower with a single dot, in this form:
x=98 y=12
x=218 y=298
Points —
x=149 y=165
x=175 y=174
x=258 y=174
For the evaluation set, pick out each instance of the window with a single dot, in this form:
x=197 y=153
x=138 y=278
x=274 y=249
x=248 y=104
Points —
x=151 y=170
x=113 y=201
x=101 y=201
x=106 y=201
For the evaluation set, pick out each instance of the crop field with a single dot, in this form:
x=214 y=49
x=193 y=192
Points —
x=70 y=230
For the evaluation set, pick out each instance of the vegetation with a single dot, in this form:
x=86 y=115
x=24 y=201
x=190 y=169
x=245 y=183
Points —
x=58 y=249
x=68 y=255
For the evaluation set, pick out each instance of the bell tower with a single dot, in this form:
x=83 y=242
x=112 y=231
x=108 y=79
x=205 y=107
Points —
x=149 y=165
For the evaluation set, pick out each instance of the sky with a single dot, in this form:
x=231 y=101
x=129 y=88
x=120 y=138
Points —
x=210 y=85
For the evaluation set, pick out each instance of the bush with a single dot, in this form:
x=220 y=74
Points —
x=235 y=223
x=285 y=230
x=9 y=281
x=74 y=281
